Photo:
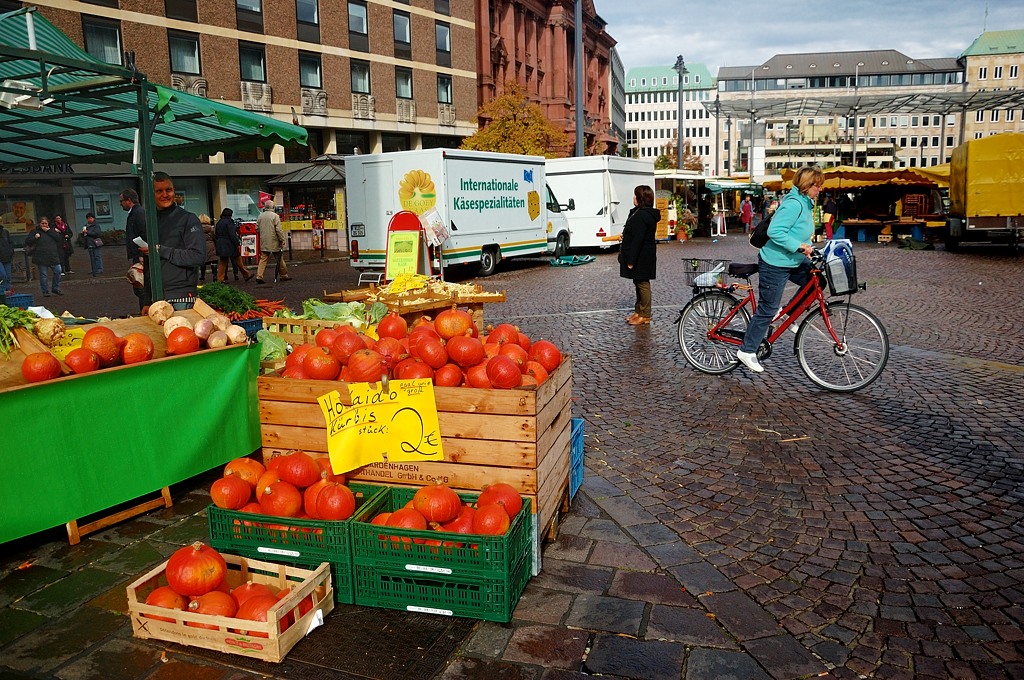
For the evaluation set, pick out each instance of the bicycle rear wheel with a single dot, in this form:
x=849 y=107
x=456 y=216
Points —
x=697 y=319
x=859 y=358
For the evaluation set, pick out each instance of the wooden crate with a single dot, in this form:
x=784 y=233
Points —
x=297 y=331
x=519 y=436
x=271 y=644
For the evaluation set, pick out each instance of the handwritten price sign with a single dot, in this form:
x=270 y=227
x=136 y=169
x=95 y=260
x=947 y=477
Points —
x=397 y=424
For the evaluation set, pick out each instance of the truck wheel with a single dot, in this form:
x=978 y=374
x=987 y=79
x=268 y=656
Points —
x=488 y=261
x=561 y=245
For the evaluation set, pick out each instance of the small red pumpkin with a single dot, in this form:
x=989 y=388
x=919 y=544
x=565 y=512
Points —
x=452 y=322
x=465 y=350
x=257 y=609
x=335 y=502
x=40 y=366
x=546 y=354
x=501 y=494
x=231 y=492
x=245 y=469
x=392 y=326
x=250 y=589
x=491 y=520
x=320 y=364
x=281 y=499
x=366 y=365
x=504 y=333
x=299 y=469
x=214 y=603
x=165 y=597
x=448 y=375
x=437 y=503
x=503 y=372
x=195 y=570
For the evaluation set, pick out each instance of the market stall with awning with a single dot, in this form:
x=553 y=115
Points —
x=60 y=104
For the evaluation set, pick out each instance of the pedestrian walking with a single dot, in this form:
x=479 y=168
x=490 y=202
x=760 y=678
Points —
x=135 y=227
x=211 y=248
x=268 y=224
x=67 y=247
x=92 y=234
x=746 y=213
x=638 y=254
x=227 y=243
x=45 y=246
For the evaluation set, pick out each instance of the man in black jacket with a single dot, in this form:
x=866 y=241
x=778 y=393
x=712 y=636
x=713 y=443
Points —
x=135 y=226
x=181 y=245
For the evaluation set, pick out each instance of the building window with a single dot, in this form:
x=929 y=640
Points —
x=249 y=15
x=360 y=77
x=442 y=7
x=443 y=40
x=358 y=28
x=104 y=3
x=983 y=73
x=184 y=49
x=913 y=121
x=307 y=20
x=444 y=89
x=185 y=10
x=310 y=73
x=403 y=35
x=102 y=39
x=979 y=116
x=935 y=141
x=994 y=117
x=252 y=63
x=1010 y=115
x=403 y=83
x=1013 y=71
x=997 y=72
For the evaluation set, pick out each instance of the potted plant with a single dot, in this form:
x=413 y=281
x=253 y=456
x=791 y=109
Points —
x=686 y=223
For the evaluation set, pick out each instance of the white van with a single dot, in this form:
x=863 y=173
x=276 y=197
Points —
x=601 y=188
x=493 y=206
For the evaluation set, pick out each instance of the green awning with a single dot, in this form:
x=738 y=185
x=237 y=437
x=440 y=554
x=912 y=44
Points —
x=720 y=185
x=88 y=111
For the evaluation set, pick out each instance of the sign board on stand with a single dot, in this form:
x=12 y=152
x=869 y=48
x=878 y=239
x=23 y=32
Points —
x=406 y=247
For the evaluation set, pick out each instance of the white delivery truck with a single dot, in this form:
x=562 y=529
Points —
x=492 y=205
x=601 y=188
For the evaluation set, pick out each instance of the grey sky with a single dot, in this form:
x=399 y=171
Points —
x=737 y=33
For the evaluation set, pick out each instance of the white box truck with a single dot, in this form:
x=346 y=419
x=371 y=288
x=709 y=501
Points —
x=601 y=188
x=493 y=205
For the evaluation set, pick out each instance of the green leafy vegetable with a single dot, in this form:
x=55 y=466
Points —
x=11 y=318
x=225 y=298
x=272 y=346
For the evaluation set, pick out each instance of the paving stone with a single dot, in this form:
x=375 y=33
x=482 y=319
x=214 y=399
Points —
x=783 y=656
x=605 y=530
x=612 y=614
x=113 y=660
x=126 y=533
x=558 y=674
x=646 y=587
x=113 y=600
x=70 y=557
x=629 y=658
x=133 y=559
x=673 y=554
x=542 y=605
x=16 y=622
x=625 y=511
x=489 y=640
x=691 y=626
x=598 y=488
x=547 y=646
x=701 y=577
x=705 y=664
x=191 y=529
x=609 y=554
x=740 y=615
x=572 y=577
x=182 y=669
x=21 y=582
x=67 y=593
x=51 y=645
x=465 y=668
x=652 y=534
x=568 y=547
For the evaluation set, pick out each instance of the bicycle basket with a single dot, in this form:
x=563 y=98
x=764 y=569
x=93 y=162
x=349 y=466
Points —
x=840 y=267
x=704 y=273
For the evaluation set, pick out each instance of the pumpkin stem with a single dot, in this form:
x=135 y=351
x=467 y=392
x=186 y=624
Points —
x=197 y=546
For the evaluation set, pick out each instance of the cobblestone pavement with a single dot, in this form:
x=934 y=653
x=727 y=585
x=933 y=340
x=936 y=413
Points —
x=735 y=526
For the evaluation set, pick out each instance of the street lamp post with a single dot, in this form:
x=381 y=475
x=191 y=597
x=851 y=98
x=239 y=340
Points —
x=718 y=141
x=680 y=68
x=856 y=109
x=750 y=149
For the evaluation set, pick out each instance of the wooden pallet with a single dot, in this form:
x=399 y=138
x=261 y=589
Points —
x=75 y=532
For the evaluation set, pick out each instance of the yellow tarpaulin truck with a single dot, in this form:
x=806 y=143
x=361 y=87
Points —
x=986 y=190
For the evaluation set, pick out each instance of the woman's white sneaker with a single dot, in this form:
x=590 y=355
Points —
x=749 y=359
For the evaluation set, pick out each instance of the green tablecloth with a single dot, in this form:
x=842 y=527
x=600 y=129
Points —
x=85 y=444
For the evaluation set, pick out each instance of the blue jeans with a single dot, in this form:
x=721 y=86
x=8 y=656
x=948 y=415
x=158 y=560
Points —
x=6 y=271
x=96 y=261
x=44 y=277
x=771 y=283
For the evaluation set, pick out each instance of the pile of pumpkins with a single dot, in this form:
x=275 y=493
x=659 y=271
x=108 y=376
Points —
x=448 y=350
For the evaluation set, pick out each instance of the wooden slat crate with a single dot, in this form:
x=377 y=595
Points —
x=519 y=436
x=297 y=331
x=262 y=640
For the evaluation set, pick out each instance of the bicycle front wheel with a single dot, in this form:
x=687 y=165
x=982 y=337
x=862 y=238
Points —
x=856 y=361
x=699 y=317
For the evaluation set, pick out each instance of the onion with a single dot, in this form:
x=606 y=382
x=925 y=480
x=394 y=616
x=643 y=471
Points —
x=220 y=322
x=237 y=335
x=217 y=339
x=160 y=311
x=176 y=322
x=203 y=328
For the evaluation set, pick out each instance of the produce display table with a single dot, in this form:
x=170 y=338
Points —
x=81 y=444
x=414 y=304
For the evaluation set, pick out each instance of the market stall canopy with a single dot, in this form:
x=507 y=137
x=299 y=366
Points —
x=717 y=186
x=936 y=173
x=60 y=104
x=328 y=169
x=766 y=106
x=848 y=177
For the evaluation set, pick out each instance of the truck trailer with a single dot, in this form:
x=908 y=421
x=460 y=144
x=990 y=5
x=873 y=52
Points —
x=601 y=188
x=986 y=190
x=493 y=206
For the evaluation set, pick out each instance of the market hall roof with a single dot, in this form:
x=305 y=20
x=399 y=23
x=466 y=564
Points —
x=812 y=64
x=766 y=106
x=325 y=169
x=60 y=104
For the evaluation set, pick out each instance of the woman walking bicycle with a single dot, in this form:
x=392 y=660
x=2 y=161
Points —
x=782 y=259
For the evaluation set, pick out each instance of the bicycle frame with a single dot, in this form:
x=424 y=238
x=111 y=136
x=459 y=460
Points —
x=809 y=295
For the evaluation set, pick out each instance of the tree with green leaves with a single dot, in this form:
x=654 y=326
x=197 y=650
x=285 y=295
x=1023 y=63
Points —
x=514 y=125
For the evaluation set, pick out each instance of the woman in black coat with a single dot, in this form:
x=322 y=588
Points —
x=638 y=255
x=47 y=248
x=226 y=242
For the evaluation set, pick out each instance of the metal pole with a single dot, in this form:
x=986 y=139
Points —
x=750 y=150
x=680 y=69
x=718 y=141
x=579 y=77
x=856 y=109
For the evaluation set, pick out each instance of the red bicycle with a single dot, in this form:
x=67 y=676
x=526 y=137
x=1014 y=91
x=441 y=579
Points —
x=841 y=347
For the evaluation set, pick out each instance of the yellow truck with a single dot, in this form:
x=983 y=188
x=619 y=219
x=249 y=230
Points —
x=986 y=191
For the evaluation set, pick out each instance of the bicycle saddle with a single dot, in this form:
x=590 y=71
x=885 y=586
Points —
x=742 y=270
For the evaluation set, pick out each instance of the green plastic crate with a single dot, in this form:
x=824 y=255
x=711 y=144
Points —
x=493 y=557
x=491 y=599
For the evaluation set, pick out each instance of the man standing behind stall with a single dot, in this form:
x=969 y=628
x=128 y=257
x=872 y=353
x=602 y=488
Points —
x=135 y=226
x=181 y=245
x=271 y=241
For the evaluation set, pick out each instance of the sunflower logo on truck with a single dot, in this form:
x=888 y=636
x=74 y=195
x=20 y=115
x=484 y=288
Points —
x=416 y=192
